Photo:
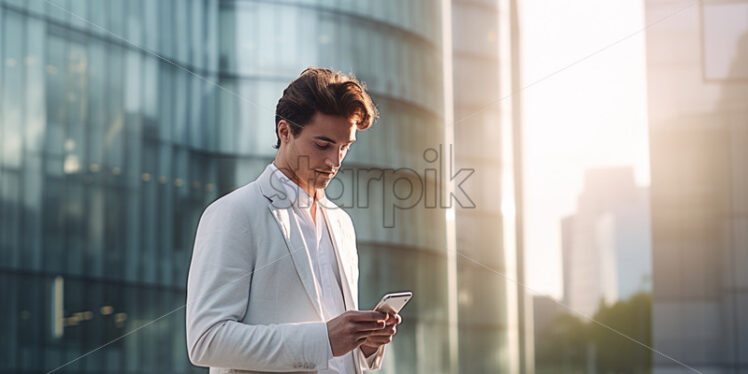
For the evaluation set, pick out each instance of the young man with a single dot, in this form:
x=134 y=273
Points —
x=273 y=283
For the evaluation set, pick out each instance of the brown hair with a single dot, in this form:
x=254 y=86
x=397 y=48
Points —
x=326 y=91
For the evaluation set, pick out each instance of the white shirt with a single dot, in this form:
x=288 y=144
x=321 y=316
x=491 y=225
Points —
x=324 y=263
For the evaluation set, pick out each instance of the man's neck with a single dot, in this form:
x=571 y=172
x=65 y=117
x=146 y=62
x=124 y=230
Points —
x=288 y=172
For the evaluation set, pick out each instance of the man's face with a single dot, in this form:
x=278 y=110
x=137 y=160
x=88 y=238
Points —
x=315 y=154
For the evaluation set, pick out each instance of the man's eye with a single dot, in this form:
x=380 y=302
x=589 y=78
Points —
x=322 y=146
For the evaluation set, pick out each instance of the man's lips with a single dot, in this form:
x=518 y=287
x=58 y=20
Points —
x=328 y=172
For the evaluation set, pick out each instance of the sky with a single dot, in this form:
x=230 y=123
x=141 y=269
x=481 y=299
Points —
x=583 y=63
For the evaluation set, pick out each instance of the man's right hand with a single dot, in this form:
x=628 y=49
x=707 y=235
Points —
x=350 y=329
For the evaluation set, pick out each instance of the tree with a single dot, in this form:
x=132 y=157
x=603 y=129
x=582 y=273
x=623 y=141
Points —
x=619 y=354
x=563 y=345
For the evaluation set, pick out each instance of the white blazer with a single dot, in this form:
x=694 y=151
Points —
x=252 y=300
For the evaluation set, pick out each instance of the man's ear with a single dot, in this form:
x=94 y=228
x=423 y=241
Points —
x=284 y=130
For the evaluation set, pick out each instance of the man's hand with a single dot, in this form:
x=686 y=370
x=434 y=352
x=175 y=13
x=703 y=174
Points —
x=383 y=336
x=350 y=329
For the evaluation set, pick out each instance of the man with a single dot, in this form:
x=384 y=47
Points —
x=273 y=283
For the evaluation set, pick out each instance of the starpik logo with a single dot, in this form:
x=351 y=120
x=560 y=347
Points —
x=388 y=189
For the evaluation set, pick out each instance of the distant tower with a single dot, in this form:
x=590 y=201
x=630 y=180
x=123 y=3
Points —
x=606 y=243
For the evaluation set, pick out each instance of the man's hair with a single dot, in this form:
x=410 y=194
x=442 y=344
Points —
x=326 y=91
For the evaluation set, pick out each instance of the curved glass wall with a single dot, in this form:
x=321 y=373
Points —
x=122 y=120
x=484 y=324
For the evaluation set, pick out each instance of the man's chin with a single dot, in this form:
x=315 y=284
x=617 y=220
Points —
x=322 y=180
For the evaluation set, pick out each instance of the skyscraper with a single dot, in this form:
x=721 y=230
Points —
x=490 y=290
x=606 y=242
x=697 y=62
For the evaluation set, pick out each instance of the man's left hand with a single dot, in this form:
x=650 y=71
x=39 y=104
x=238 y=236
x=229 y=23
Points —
x=382 y=337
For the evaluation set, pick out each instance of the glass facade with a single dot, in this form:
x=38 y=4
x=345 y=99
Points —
x=484 y=297
x=120 y=121
x=697 y=94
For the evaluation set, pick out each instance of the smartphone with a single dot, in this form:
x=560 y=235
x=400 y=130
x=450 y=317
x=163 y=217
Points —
x=393 y=302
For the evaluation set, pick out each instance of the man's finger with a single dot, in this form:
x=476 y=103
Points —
x=359 y=341
x=393 y=319
x=364 y=334
x=369 y=325
x=368 y=315
x=378 y=340
x=384 y=332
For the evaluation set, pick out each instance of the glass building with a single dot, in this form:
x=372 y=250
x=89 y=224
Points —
x=697 y=67
x=120 y=121
x=490 y=279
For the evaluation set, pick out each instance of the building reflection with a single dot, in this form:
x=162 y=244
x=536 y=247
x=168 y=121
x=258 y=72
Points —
x=697 y=89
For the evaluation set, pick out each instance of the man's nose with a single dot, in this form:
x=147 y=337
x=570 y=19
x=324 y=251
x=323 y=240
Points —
x=335 y=159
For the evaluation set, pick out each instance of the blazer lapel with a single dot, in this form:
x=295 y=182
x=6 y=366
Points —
x=281 y=209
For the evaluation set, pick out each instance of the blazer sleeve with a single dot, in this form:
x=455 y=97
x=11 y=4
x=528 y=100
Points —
x=218 y=291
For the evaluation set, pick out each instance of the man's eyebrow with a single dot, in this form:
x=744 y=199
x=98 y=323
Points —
x=324 y=138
